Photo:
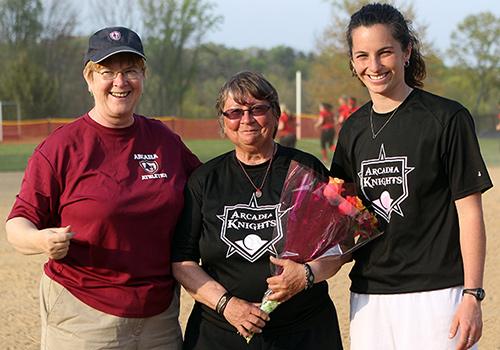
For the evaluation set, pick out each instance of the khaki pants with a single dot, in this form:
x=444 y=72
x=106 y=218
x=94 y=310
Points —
x=69 y=324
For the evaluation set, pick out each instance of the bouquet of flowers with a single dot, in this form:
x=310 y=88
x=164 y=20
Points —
x=322 y=218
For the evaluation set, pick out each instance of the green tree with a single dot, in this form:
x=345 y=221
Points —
x=60 y=53
x=34 y=37
x=20 y=28
x=475 y=49
x=31 y=86
x=217 y=63
x=20 y=23
x=126 y=13
x=173 y=32
x=333 y=38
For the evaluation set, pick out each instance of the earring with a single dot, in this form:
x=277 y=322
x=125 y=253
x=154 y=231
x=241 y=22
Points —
x=91 y=93
x=406 y=64
x=353 y=71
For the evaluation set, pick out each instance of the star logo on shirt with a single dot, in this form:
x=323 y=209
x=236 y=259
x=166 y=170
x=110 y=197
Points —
x=251 y=230
x=385 y=182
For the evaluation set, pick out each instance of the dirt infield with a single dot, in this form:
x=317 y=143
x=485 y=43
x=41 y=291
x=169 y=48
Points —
x=19 y=276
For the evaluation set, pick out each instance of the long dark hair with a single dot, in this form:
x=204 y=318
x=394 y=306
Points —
x=401 y=30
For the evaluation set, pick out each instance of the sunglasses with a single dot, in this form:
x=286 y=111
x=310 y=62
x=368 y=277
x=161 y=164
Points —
x=237 y=113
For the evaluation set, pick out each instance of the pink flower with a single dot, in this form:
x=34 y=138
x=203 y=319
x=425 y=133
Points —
x=347 y=208
x=320 y=215
x=320 y=219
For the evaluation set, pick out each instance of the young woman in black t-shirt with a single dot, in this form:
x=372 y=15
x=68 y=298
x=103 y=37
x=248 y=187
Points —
x=416 y=160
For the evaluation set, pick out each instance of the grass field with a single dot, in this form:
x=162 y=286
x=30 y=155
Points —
x=14 y=156
x=19 y=274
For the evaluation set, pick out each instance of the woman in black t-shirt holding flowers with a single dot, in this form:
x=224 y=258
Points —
x=232 y=207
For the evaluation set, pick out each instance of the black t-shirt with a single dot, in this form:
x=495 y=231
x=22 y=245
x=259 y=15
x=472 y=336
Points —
x=420 y=162
x=230 y=230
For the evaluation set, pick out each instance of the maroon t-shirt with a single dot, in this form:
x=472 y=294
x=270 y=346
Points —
x=121 y=190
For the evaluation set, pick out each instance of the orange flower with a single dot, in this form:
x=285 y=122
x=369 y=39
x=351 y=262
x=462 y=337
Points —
x=356 y=202
x=335 y=180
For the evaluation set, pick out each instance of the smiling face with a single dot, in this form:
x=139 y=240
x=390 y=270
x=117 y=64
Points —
x=115 y=99
x=250 y=133
x=378 y=60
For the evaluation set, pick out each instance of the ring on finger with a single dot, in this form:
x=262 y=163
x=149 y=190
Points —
x=470 y=339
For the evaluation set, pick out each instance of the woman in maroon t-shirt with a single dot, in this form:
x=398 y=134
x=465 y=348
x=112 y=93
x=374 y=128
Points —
x=101 y=197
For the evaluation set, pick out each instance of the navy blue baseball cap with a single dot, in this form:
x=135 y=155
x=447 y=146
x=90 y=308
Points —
x=112 y=40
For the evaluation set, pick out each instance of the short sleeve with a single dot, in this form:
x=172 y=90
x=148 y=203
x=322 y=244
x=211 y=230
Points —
x=185 y=244
x=341 y=165
x=38 y=198
x=464 y=165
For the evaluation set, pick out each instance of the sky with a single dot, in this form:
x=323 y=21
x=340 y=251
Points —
x=298 y=23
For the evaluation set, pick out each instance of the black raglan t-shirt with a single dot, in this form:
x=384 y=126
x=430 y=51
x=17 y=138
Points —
x=226 y=227
x=426 y=157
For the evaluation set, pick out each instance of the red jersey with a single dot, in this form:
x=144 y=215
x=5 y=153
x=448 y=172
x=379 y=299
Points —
x=288 y=125
x=343 y=112
x=121 y=190
x=328 y=121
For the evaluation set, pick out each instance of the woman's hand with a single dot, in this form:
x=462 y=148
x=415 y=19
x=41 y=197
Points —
x=246 y=317
x=27 y=239
x=467 y=319
x=55 y=241
x=291 y=281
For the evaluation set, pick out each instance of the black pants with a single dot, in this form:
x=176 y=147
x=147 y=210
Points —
x=327 y=138
x=320 y=333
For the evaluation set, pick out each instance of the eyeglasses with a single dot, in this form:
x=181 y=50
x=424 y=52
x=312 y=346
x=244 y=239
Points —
x=129 y=74
x=237 y=113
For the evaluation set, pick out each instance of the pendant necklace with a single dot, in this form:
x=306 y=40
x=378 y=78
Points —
x=375 y=134
x=258 y=190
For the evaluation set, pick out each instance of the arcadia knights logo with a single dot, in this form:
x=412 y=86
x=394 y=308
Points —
x=384 y=181
x=247 y=229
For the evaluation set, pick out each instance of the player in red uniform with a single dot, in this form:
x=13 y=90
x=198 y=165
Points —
x=326 y=123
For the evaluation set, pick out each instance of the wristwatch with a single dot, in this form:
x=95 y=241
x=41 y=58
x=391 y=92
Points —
x=478 y=293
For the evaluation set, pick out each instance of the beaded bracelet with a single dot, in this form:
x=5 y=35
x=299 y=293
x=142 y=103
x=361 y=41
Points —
x=222 y=303
x=309 y=276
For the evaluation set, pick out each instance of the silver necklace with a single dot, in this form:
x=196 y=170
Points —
x=258 y=190
x=375 y=134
